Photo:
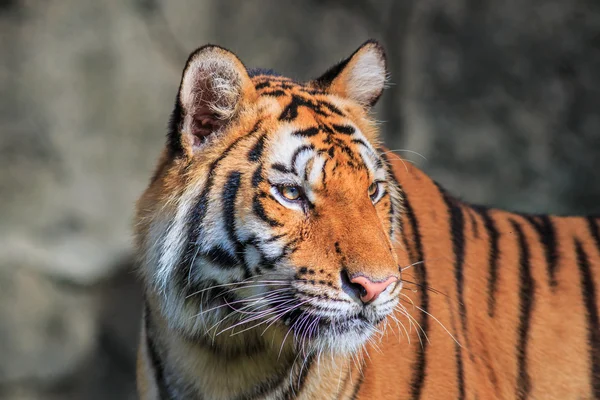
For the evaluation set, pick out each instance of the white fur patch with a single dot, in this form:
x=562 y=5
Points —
x=366 y=78
x=285 y=145
x=302 y=160
x=169 y=240
x=316 y=170
x=252 y=257
x=214 y=229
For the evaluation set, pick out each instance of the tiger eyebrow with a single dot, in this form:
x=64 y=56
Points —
x=376 y=160
x=300 y=150
x=282 y=168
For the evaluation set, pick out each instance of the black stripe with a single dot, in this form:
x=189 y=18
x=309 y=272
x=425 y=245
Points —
x=157 y=364
x=257 y=150
x=259 y=210
x=280 y=167
x=230 y=192
x=270 y=262
x=420 y=367
x=378 y=161
x=457 y=233
x=332 y=108
x=323 y=177
x=474 y=225
x=361 y=142
x=264 y=388
x=493 y=254
x=220 y=257
x=290 y=112
x=345 y=129
x=309 y=132
x=593 y=226
x=274 y=93
x=262 y=85
x=306 y=171
x=298 y=151
x=526 y=291
x=344 y=148
x=545 y=229
x=361 y=379
x=588 y=291
x=460 y=376
x=257 y=177
x=394 y=217
x=328 y=130
x=304 y=373
x=274 y=238
x=394 y=214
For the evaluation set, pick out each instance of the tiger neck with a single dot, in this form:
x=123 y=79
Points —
x=425 y=217
x=248 y=366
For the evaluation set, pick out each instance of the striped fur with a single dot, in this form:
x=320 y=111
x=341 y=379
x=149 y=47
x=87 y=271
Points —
x=249 y=294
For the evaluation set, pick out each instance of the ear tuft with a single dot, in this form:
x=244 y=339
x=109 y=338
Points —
x=361 y=77
x=213 y=86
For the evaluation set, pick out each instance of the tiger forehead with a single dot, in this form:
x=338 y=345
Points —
x=314 y=125
x=273 y=85
x=299 y=100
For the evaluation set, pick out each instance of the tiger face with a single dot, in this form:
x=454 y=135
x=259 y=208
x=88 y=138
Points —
x=271 y=208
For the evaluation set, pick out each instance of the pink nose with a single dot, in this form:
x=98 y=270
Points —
x=370 y=290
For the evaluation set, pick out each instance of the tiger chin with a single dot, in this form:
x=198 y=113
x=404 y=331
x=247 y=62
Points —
x=286 y=254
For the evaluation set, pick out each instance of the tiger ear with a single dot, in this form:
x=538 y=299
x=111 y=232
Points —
x=361 y=77
x=214 y=86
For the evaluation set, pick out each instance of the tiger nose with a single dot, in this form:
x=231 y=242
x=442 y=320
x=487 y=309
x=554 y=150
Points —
x=368 y=289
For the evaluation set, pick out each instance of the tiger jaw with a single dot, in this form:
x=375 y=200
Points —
x=334 y=322
x=337 y=332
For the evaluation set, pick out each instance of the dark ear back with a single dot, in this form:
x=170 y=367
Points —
x=213 y=87
x=361 y=77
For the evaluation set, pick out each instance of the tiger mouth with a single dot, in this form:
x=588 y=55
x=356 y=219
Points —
x=309 y=325
x=315 y=320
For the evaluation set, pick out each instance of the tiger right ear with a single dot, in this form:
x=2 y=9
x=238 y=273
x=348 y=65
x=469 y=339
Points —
x=361 y=77
x=214 y=85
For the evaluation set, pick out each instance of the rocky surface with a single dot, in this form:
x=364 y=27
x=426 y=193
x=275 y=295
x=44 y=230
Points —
x=501 y=98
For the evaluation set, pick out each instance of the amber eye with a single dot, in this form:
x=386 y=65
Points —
x=290 y=192
x=373 y=191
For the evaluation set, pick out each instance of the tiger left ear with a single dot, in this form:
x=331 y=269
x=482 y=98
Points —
x=214 y=87
x=361 y=77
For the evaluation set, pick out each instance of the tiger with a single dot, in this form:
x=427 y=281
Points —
x=285 y=253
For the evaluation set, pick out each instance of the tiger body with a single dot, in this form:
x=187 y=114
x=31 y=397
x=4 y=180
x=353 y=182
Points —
x=285 y=255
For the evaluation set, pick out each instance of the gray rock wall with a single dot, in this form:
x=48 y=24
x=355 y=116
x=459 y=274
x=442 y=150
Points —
x=501 y=99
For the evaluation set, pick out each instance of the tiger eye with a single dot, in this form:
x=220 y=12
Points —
x=290 y=192
x=373 y=189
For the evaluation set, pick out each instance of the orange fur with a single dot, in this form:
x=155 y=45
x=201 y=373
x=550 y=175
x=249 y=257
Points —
x=480 y=313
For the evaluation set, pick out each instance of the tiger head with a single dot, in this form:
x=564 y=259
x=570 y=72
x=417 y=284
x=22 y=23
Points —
x=272 y=207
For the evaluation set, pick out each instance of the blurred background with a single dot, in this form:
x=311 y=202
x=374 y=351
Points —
x=501 y=98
